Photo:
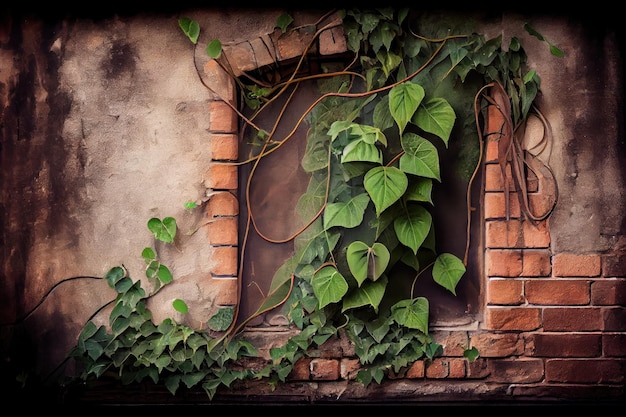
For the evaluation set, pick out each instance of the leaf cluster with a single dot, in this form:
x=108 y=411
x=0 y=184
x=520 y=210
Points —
x=373 y=158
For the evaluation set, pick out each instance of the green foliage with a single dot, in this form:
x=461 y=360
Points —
x=372 y=154
x=136 y=348
x=190 y=28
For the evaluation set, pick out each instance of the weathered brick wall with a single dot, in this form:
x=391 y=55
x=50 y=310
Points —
x=553 y=326
x=552 y=323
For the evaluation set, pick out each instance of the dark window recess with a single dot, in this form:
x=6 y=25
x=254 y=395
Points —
x=278 y=181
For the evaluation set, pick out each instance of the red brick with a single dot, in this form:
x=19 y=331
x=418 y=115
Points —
x=222 y=203
x=608 y=292
x=350 y=368
x=614 y=265
x=222 y=118
x=223 y=231
x=491 y=153
x=496 y=209
x=224 y=147
x=516 y=370
x=219 y=81
x=503 y=234
x=493 y=178
x=225 y=260
x=614 y=344
x=452 y=342
x=325 y=369
x=574 y=265
x=503 y=263
x=416 y=370
x=333 y=41
x=536 y=263
x=614 y=319
x=559 y=345
x=438 y=369
x=523 y=319
x=586 y=371
x=557 y=292
x=457 y=367
x=227 y=291
x=292 y=43
x=497 y=345
x=540 y=204
x=536 y=236
x=505 y=292
x=574 y=319
x=300 y=370
x=478 y=369
x=222 y=176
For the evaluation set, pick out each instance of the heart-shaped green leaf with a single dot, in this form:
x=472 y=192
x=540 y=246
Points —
x=164 y=230
x=367 y=262
x=447 y=271
x=385 y=185
x=412 y=313
x=329 y=286
x=404 y=99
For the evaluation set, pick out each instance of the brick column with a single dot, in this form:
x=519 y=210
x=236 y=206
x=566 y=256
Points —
x=517 y=251
x=222 y=208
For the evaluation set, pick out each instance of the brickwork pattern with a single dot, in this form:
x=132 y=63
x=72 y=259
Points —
x=554 y=324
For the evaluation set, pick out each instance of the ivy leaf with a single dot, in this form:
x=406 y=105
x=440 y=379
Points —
x=471 y=354
x=329 y=286
x=359 y=151
x=367 y=262
x=385 y=185
x=164 y=274
x=388 y=60
x=214 y=49
x=348 y=214
x=114 y=275
x=412 y=313
x=180 y=306
x=420 y=190
x=148 y=254
x=191 y=28
x=164 y=230
x=222 y=320
x=404 y=99
x=413 y=226
x=436 y=116
x=420 y=157
x=283 y=21
x=447 y=271
x=369 y=294
x=382 y=115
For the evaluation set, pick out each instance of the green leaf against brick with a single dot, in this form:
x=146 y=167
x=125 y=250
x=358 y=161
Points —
x=412 y=313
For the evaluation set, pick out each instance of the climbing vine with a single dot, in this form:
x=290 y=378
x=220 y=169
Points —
x=372 y=156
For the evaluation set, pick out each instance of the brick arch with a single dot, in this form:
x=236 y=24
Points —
x=511 y=246
x=222 y=207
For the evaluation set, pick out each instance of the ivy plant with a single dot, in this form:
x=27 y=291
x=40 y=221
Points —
x=373 y=158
